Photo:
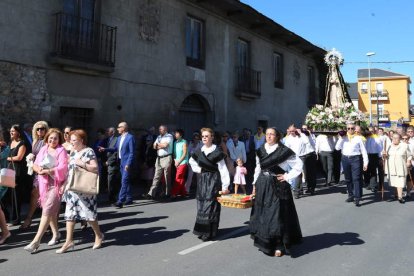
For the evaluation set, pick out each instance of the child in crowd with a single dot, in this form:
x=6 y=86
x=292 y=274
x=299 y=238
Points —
x=239 y=178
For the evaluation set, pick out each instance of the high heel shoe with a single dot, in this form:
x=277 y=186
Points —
x=99 y=245
x=4 y=238
x=64 y=248
x=55 y=241
x=33 y=247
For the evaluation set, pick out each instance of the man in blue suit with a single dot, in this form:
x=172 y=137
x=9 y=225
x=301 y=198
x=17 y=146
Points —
x=125 y=147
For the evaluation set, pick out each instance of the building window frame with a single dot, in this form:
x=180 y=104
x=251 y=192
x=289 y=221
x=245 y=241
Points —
x=243 y=53
x=364 y=88
x=278 y=70
x=195 y=41
x=379 y=87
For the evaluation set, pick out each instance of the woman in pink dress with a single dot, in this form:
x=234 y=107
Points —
x=51 y=166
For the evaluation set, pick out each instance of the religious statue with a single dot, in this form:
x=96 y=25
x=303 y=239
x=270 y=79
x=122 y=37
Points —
x=336 y=94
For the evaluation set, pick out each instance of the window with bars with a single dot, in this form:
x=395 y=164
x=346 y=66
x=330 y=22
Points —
x=76 y=117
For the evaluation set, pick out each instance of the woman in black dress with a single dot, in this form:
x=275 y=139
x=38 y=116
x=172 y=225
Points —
x=214 y=177
x=274 y=223
x=17 y=161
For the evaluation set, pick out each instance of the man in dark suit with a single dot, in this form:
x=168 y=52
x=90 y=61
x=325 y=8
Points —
x=112 y=164
x=125 y=147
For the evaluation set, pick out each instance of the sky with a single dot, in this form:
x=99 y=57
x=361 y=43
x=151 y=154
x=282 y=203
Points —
x=353 y=27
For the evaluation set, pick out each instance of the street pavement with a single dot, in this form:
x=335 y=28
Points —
x=153 y=238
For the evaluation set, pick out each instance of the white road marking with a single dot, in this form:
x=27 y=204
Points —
x=204 y=244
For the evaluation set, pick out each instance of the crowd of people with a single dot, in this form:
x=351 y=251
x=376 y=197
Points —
x=273 y=167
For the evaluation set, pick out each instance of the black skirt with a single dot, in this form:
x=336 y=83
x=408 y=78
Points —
x=208 y=209
x=274 y=223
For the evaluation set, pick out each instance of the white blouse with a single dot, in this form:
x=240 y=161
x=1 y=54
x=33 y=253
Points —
x=224 y=173
x=293 y=165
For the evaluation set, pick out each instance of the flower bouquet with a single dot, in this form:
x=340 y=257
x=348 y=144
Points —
x=330 y=120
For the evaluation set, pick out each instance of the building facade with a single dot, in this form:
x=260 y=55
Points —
x=353 y=93
x=390 y=97
x=184 y=63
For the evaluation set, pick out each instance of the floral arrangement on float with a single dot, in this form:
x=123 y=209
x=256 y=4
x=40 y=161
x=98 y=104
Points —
x=332 y=119
x=338 y=109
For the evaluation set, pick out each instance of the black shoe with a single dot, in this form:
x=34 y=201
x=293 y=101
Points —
x=129 y=202
x=357 y=203
x=392 y=198
x=401 y=200
x=166 y=198
x=148 y=196
x=205 y=238
x=118 y=205
x=349 y=199
x=14 y=222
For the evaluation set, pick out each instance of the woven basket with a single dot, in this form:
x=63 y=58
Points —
x=231 y=203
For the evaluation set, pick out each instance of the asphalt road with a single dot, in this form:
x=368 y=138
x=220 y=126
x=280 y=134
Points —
x=152 y=238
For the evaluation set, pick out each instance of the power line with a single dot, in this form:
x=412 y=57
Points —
x=364 y=62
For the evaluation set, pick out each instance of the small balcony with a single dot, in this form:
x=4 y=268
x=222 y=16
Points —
x=248 y=83
x=379 y=95
x=83 y=43
x=383 y=115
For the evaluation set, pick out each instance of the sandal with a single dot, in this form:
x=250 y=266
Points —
x=26 y=225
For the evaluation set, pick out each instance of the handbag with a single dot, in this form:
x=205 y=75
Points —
x=83 y=181
x=8 y=177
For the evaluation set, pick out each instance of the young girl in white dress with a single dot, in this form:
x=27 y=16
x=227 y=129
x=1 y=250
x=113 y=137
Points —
x=239 y=178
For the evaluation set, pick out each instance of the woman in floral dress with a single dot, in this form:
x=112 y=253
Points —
x=81 y=207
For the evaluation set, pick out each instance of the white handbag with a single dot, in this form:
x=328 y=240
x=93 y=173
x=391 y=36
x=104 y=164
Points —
x=8 y=177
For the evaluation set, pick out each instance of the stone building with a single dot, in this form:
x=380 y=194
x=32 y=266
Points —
x=184 y=63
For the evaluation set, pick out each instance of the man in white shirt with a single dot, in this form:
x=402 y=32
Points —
x=353 y=150
x=164 y=146
x=236 y=148
x=302 y=144
x=373 y=145
x=324 y=148
x=293 y=141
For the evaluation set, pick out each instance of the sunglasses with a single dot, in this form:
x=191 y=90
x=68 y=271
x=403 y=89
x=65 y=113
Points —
x=350 y=128
x=40 y=128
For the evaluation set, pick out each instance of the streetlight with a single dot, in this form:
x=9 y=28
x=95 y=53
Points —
x=369 y=54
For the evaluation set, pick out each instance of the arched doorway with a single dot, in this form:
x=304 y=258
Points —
x=193 y=114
